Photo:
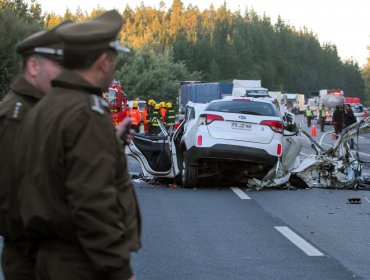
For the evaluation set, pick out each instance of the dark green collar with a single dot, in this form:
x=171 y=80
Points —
x=71 y=80
x=22 y=87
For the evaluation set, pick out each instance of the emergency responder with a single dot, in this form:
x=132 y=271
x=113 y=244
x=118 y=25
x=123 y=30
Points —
x=309 y=115
x=155 y=129
x=163 y=111
x=338 y=121
x=322 y=114
x=170 y=117
x=144 y=118
x=349 y=119
x=41 y=62
x=134 y=113
x=76 y=198
x=149 y=114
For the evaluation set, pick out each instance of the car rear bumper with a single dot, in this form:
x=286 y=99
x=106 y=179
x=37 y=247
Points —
x=230 y=152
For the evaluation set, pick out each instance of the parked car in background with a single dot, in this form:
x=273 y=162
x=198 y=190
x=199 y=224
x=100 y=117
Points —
x=358 y=111
x=228 y=140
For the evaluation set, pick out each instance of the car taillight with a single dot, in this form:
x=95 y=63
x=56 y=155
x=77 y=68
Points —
x=210 y=118
x=279 y=150
x=276 y=126
x=200 y=140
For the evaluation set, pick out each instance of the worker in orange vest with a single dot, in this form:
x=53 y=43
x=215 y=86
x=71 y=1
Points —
x=144 y=118
x=163 y=111
x=134 y=114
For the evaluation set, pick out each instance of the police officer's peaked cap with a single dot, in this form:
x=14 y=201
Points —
x=97 y=34
x=45 y=43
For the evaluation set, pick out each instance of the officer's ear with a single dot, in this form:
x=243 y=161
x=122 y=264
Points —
x=33 y=66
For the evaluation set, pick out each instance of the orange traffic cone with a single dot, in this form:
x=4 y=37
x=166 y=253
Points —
x=313 y=131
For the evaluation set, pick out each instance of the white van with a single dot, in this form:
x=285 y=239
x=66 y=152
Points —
x=141 y=104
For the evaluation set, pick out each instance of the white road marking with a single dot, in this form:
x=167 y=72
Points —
x=299 y=242
x=240 y=193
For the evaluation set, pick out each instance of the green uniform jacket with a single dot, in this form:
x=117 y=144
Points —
x=170 y=117
x=156 y=116
x=76 y=187
x=13 y=111
x=149 y=113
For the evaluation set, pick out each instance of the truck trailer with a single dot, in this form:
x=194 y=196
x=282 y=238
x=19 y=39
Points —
x=202 y=92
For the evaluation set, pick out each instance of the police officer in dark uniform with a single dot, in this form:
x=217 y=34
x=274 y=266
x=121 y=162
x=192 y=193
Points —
x=41 y=57
x=77 y=200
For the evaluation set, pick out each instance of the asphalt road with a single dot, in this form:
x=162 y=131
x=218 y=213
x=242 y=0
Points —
x=214 y=234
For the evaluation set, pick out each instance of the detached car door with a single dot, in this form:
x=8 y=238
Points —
x=155 y=154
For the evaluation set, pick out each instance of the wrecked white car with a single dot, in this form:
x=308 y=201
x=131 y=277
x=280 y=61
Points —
x=225 y=141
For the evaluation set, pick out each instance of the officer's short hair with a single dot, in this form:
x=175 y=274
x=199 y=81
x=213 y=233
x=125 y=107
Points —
x=27 y=57
x=81 y=60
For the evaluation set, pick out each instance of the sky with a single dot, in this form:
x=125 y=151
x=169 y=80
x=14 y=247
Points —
x=341 y=22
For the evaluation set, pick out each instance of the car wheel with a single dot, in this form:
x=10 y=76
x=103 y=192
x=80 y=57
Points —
x=189 y=174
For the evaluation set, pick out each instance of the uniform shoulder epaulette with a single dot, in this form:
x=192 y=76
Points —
x=16 y=113
x=98 y=104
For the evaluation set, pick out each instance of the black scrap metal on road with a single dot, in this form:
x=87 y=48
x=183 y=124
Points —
x=211 y=233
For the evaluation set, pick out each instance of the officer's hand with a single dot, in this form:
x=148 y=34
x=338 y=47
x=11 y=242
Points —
x=124 y=131
x=132 y=278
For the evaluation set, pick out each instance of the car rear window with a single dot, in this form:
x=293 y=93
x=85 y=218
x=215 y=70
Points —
x=243 y=107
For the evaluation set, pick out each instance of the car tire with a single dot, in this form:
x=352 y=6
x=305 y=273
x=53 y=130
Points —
x=189 y=174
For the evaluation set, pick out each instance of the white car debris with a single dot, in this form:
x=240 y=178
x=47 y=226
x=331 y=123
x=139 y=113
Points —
x=336 y=167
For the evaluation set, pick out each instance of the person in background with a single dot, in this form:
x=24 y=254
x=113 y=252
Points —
x=155 y=129
x=163 y=111
x=338 y=121
x=170 y=117
x=42 y=55
x=309 y=115
x=105 y=95
x=149 y=114
x=322 y=114
x=134 y=114
x=144 y=118
x=349 y=119
x=77 y=201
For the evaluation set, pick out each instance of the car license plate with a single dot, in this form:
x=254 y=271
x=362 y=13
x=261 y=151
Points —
x=240 y=125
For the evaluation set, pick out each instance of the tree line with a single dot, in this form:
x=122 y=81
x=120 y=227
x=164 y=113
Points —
x=185 y=43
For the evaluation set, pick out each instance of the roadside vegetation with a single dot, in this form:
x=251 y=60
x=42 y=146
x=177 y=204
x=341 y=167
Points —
x=184 y=43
